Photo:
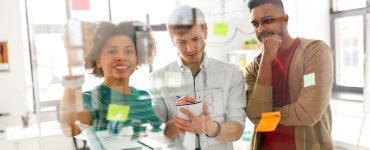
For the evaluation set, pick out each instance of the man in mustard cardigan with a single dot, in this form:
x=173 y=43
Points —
x=293 y=76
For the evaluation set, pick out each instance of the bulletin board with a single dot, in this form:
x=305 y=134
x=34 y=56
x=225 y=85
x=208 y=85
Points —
x=4 y=58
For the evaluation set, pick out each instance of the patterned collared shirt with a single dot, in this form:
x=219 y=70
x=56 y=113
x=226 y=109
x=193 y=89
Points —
x=219 y=84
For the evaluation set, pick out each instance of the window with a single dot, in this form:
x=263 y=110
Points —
x=56 y=12
x=350 y=51
x=46 y=37
x=341 y=5
x=348 y=20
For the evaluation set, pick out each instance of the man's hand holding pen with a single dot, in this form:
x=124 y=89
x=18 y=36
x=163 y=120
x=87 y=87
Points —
x=201 y=124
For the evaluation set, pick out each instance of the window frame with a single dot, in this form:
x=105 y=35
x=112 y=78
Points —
x=341 y=14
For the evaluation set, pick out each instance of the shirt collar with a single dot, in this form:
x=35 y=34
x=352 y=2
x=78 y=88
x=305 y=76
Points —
x=203 y=64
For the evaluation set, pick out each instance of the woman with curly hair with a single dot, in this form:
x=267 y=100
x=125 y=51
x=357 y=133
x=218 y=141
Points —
x=116 y=53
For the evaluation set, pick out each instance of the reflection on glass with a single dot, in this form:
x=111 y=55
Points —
x=166 y=51
x=165 y=54
x=50 y=64
x=340 y=5
x=349 y=51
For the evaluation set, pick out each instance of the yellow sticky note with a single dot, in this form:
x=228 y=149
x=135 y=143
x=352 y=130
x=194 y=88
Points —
x=118 y=112
x=220 y=28
x=309 y=79
x=268 y=122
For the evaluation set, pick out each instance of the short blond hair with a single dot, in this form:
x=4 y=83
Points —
x=184 y=18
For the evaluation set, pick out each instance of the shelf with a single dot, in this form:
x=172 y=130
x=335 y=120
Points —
x=244 y=51
x=242 y=57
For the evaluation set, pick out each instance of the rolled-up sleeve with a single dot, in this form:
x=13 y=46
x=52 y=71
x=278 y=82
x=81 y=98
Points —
x=235 y=110
x=158 y=102
x=259 y=97
x=259 y=102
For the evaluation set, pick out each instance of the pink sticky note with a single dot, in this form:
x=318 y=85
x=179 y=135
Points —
x=80 y=4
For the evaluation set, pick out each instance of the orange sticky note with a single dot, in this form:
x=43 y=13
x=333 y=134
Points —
x=268 y=122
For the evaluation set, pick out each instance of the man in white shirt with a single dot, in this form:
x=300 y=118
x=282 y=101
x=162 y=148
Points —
x=196 y=77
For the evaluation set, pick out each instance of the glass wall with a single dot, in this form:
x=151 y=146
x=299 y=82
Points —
x=47 y=31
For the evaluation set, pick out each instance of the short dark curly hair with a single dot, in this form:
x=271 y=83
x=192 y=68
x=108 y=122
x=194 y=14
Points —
x=138 y=32
x=255 y=3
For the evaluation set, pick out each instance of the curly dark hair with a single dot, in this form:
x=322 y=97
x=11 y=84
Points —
x=255 y=3
x=138 y=32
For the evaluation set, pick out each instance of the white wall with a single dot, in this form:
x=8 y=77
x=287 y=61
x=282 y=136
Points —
x=13 y=83
x=239 y=20
x=309 y=19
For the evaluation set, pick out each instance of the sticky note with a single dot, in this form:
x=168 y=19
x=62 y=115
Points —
x=118 y=112
x=80 y=4
x=220 y=28
x=268 y=122
x=309 y=79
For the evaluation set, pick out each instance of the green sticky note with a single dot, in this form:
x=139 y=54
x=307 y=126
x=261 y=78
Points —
x=220 y=28
x=309 y=79
x=118 y=112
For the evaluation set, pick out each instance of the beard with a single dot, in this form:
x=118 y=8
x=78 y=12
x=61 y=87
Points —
x=265 y=34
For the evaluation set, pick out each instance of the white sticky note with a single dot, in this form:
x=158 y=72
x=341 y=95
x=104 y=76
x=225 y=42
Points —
x=309 y=79
x=172 y=79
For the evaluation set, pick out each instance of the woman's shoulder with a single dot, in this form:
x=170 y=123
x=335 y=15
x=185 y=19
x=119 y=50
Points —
x=140 y=93
x=96 y=91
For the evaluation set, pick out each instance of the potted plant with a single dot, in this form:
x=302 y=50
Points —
x=250 y=44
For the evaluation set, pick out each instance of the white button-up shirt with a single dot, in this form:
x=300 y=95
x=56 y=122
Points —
x=218 y=83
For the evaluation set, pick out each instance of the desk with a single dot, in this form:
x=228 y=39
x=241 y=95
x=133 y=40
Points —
x=119 y=142
x=125 y=141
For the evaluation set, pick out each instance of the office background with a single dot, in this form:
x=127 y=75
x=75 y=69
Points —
x=33 y=30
